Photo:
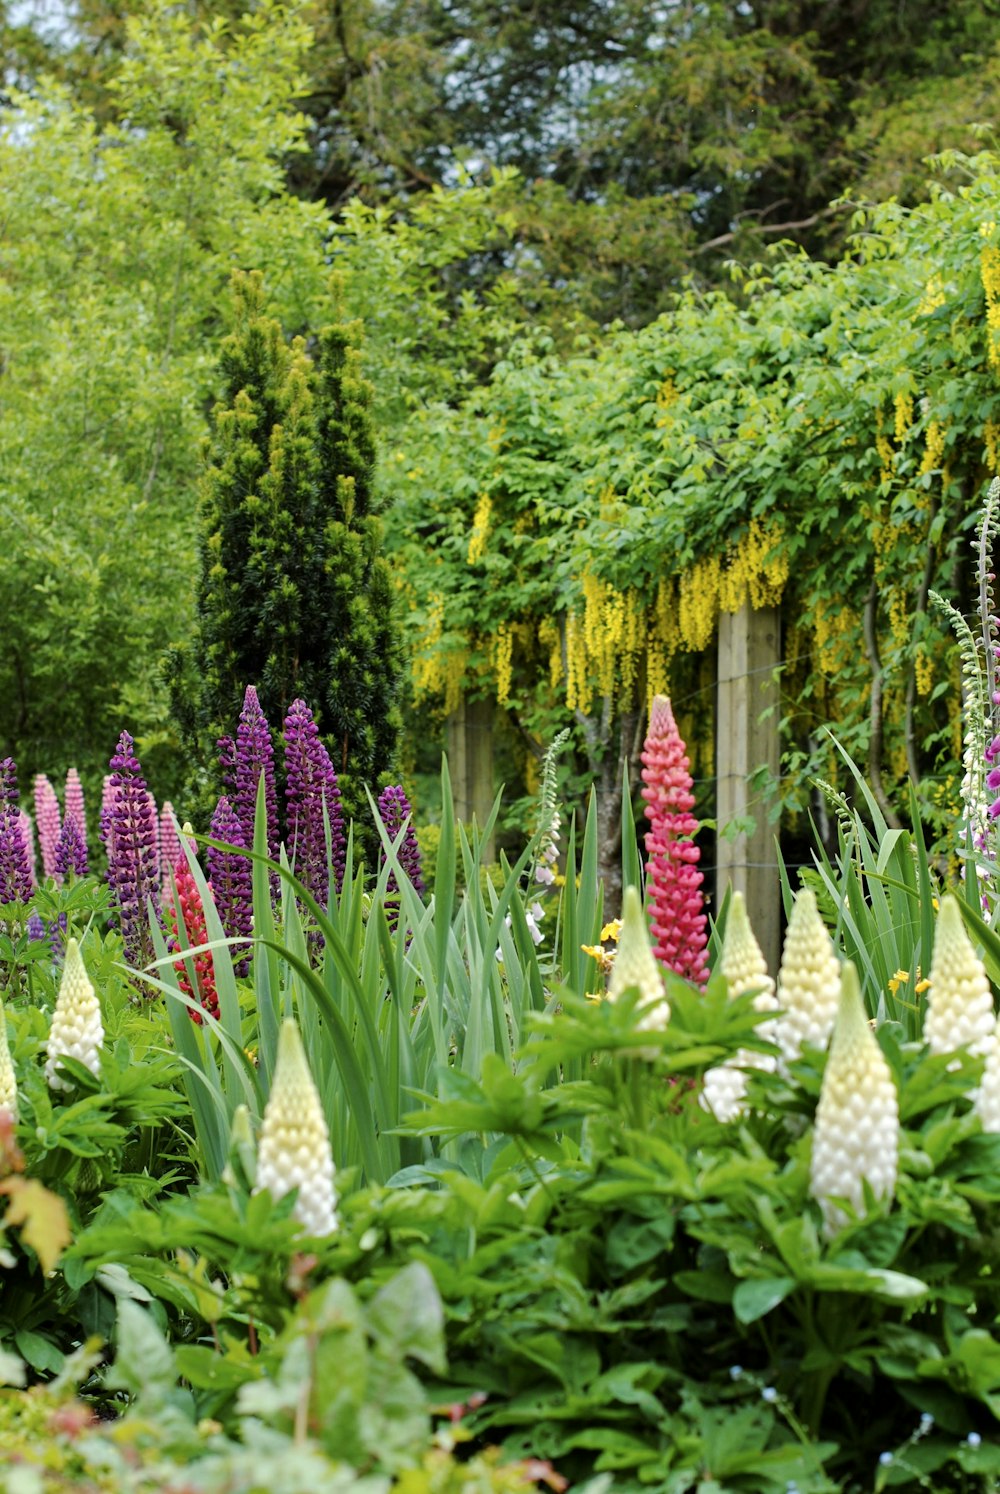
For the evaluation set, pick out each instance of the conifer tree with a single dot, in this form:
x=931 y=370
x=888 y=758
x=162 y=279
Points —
x=295 y=596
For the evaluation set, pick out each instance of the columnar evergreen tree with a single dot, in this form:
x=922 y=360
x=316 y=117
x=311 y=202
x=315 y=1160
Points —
x=294 y=596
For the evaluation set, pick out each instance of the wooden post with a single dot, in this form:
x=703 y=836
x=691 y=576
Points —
x=470 y=763
x=747 y=741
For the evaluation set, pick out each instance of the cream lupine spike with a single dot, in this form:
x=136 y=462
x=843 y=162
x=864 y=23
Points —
x=856 y=1138
x=77 y=1030
x=808 y=981
x=8 y=1083
x=987 y=1103
x=959 y=1003
x=294 y=1149
x=635 y=964
x=743 y=965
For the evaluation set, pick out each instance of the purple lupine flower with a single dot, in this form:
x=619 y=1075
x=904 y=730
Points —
x=394 y=811
x=47 y=819
x=35 y=927
x=28 y=831
x=232 y=879
x=71 y=851
x=243 y=762
x=131 y=839
x=15 y=855
x=311 y=784
x=73 y=808
x=170 y=844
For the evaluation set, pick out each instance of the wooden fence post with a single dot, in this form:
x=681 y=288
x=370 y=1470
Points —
x=470 y=763
x=747 y=740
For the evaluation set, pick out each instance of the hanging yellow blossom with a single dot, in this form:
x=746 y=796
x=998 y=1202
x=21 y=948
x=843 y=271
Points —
x=550 y=637
x=923 y=670
x=934 y=444
x=933 y=296
x=699 y=603
x=904 y=416
x=991 y=440
x=989 y=269
x=480 y=529
x=503 y=648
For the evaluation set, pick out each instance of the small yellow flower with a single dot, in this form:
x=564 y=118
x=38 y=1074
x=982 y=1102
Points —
x=611 y=930
x=899 y=979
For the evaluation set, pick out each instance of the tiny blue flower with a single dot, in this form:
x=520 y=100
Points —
x=885 y=1459
x=973 y=1439
x=926 y=1421
x=735 y=1371
x=769 y=1393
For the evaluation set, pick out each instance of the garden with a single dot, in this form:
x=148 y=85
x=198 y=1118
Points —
x=355 y=1137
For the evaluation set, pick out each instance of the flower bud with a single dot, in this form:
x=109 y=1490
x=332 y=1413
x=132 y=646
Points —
x=808 y=981
x=294 y=1150
x=959 y=1003
x=77 y=1030
x=856 y=1137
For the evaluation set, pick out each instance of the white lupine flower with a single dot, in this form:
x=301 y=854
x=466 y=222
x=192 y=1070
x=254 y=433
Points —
x=294 y=1149
x=808 y=981
x=743 y=965
x=635 y=964
x=856 y=1138
x=8 y=1083
x=959 y=1003
x=77 y=1030
x=987 y=1105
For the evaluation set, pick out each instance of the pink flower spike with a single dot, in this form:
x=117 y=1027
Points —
x=73 y=803
x=47 y=821
x=676 y=907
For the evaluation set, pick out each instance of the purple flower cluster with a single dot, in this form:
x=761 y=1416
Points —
x=243 y=762
x=71 y=851
x=15 y=854
x=394 y=812
x=131 y=838
x=231 y=878
x=311 y=789
x=73 y=808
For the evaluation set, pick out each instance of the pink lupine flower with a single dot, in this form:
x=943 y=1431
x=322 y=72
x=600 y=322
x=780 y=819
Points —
x=170 y=844
x=73 y=808
x=47 y=821
x=674 y=881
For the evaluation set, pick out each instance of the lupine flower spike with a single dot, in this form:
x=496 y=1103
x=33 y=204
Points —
x=856 y=1138
x=48 y=822
x=77 y=1030
x=170 y=844
x=73 y=808
x=15 y=853
x=244 y=762
x=131 y=836
x=674 y=881
x=231 y=878
x=959 y=1002
x=294 y=1149
x=742 y=964
x=71 y=851
x=186 y=916
x=987 y=1101
x=8 y=1083
x=312 y=786
x=394 y=812
x=808 y=981
x=635 y=964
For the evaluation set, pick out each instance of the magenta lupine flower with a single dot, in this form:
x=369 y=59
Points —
x=394 y=810
x=131 y=839
x=47 y=819
x=674 y=881
x=311 y=784
x=231 y=876
x=28 y=831
x=73 y=808
x=243 y=762
x=15 y=855
x=71 y=851
x=170 y=844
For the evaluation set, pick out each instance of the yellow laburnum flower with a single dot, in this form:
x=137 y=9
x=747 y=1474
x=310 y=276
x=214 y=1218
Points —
x=808 y=981
x=8 y=1082
x=742 y=963
x=77 y=1030
x=856 y=1139
x=960 y=1002
x=294 y=1150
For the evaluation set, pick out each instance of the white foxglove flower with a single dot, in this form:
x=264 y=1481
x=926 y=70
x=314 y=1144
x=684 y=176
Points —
x=743 y=965
x=959 y=1003
x=77 y=1030
x=635 y=964
x=8 y=1083
x=856 y=1138
x=294 y=1149
x=808 y=981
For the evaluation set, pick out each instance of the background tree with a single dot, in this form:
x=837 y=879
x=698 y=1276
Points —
x=294 y=597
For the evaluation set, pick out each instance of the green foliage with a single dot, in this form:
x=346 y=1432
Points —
x=294 y=597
